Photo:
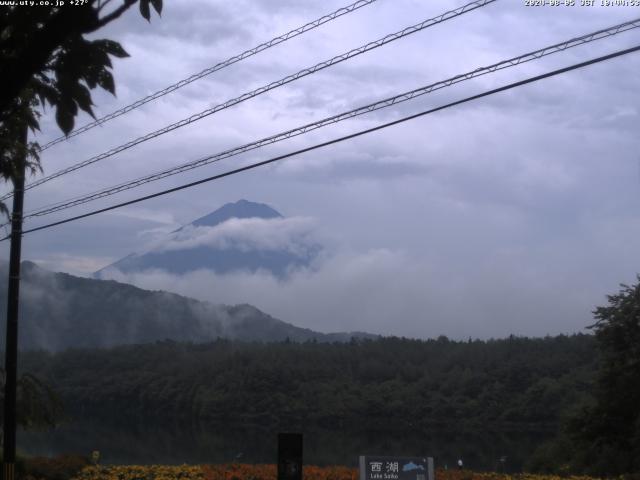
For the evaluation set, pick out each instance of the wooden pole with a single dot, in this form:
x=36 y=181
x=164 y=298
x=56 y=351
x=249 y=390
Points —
x=13 y=297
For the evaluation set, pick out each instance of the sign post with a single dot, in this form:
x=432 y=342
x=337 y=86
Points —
x=289 y=456
x=396 y=468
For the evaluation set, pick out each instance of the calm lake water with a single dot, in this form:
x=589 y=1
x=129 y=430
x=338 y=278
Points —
x=195 y=444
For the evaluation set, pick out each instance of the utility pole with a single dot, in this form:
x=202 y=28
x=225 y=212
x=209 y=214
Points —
x=11 y=349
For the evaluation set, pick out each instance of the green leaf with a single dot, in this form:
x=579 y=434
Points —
x=82 y=96
x=46 y=93
x=64 y=119
x=91 y=77
x=157 y=5
x=112 y=48
x=105 y=80
x=144 y=10
x=32 y=123
x=70 y=105
x=98 y=56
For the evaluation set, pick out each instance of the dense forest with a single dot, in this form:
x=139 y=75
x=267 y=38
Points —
x=583 y=390
x=391 y=383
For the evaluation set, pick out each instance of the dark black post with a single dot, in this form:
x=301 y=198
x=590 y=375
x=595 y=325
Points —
x=289 y=456
x=11 y=349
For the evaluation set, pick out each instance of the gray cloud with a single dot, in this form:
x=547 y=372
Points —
x=283 y=234
x=514 y=214
x=388 y=292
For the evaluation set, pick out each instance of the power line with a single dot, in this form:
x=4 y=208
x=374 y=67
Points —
x=219 y=66
x=290 y=78
x=560 y=47
x=341 y=139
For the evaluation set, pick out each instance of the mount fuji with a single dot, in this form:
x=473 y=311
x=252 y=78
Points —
x=241 y=236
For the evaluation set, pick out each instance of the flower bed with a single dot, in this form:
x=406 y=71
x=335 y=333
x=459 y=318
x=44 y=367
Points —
x=237 y=471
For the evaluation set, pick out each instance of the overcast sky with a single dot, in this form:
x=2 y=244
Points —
x=515 y=214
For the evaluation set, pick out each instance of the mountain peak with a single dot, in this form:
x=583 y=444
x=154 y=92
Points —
x=198 y=250
x=240 y=209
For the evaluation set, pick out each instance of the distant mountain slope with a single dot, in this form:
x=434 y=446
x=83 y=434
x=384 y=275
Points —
x=240 y=209
x=212 y=243
x=59 y=311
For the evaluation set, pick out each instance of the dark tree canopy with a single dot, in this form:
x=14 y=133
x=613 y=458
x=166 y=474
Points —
x=604 y=439
x=44 y=49
x=45 y=59
x=38 y=406
x=390 y=384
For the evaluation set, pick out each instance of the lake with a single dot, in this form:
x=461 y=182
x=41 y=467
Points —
x=195 y=444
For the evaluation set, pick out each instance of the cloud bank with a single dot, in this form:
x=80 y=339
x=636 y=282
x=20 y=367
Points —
x=514 y=214
x=392 y=293
x=286 y=234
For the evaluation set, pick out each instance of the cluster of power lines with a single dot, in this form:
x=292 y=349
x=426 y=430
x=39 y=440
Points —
x=301 y=130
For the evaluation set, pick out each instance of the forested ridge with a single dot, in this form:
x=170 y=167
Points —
x=60 y=311
x=391 y=383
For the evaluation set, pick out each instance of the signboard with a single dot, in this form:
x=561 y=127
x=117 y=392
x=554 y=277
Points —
x=396 y=468
x=289 y=456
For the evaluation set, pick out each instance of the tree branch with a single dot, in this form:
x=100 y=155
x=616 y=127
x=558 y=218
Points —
x=102 y=4
x=116 y=13
x=34 y=55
